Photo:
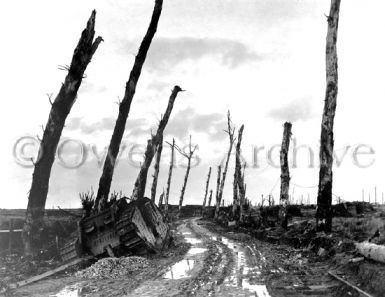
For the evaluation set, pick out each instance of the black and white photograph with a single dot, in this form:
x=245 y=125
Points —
x=192 y=148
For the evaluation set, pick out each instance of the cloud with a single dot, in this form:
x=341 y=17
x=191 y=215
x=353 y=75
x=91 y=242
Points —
x=188 y=120
x=293 y=111
x=166 y=53
x=134 y=127
x=180 y=125
x=158 y=85
x=88 y=87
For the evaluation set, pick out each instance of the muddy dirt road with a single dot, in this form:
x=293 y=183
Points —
x=217 y=264
x=214 y=266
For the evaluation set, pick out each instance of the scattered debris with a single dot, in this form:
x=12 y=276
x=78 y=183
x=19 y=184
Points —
x=114 y=267
x=47 y=273
x=349 y=284
x=355 y=260
x=351 y=209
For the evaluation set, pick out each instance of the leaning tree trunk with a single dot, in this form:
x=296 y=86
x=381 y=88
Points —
x=239 y=176
x=188 y=155
x=169 y=178
x=156 y=170
x=60 y=109
x=124 y=109
x=217 y=201
x=210 y=197
x=235 y=194
x=161 y=199
x=324 y=198
x=184 y=184
x=152 y=144
x=206 y=190
x=285 y=175
x=230 y=132
x=237 y=173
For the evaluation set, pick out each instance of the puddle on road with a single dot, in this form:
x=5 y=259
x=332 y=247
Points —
x=243 y=269
x=194 y=251
x=193 y=240
x=180 y=270
x=76 y=290
x=69 y=291
x=260 y=290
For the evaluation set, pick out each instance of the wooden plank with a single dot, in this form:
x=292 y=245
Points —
x=350 y=285
x=48 y=273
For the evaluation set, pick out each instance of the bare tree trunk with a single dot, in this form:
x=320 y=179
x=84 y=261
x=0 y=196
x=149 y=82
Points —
x=152 y=144
x=60 y=109
x=238 y=174
x=124 y=109
x=235 y=194
x=156 y=170
x=217 y=201
x=188 y=156
x=285 y=175
x=161 y=199
x=230 y=132
x=184 y=184
x=210 y=198
x=324 y=198
x=169 y=178
x=206 y=190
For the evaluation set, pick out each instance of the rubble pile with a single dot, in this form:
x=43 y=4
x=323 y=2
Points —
x=114 y=267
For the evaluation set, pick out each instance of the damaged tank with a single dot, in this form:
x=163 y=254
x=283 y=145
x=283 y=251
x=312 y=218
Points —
x=134 y=227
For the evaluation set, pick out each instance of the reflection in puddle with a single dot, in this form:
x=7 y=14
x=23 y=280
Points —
x=69 y=291
x=260 y=290
x=180 y=270
x=193 y=240
x=194 y=251
x=243 y=269
x=76 y=290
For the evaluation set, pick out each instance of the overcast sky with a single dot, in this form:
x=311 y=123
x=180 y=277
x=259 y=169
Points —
x=261 y=59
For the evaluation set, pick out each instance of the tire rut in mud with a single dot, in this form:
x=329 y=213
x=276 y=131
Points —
x=217 y=265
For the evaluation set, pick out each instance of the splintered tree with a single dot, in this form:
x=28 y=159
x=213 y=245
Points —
x=60 y=109
x=285 y=175
x=235 y=194
x=239 y=177
x=230 y=131
x=210 y=198
x=206 y=190
x=217 y=201
x=156 y=170
x=152 y=144
x=324 y=198
x=188 y=156
x=124 y=109
x=169 y=177
x=161 y=199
